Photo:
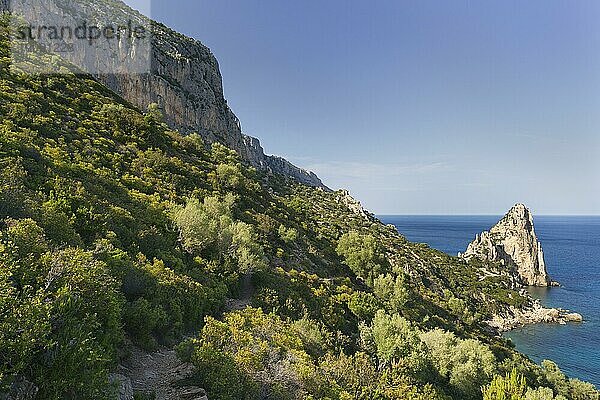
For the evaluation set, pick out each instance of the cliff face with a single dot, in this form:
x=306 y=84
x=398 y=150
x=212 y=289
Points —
x=184 y=79
x=513 y=243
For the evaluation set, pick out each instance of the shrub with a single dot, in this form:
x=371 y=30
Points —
x=251 y=351
x=288 y=235
x=396 y=343
x=512 y=386
x=466 y=364
x=363 y=254
x=208 y=230
x=364 y=305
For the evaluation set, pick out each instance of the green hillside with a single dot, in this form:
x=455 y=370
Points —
x=117 y=231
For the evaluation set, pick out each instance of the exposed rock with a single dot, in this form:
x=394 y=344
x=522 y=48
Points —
x=354 y=205
x=535 y=313
x=282 y=166
x=162 y=374
x=573 y=317
x=513 y=243
x=123 y=385
x=192 y=393
x=184 y=79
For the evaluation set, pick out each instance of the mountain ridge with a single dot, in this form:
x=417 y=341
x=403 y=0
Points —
x=184 y=80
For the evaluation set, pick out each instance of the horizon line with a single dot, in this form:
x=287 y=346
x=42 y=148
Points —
x=477 y=215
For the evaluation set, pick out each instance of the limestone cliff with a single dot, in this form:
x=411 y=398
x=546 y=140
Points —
x=184 y=79
x=513 y=243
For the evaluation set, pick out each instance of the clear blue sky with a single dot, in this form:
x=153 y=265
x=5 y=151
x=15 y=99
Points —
x=426 y=107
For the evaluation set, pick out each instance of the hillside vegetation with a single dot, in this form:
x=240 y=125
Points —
x=117 y=231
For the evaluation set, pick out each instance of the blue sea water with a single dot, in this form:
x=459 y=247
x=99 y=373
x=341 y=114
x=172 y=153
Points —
x=572 y=252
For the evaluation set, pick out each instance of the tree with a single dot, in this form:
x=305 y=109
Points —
x=86 y=311
x=555 y=377
x=583 y=390
x=24 y=326
x=228 y=176
x=245 y=249
x=63 y=313
x=393 y=291
x=441 y=345
x=204 y=226
x=472 y=365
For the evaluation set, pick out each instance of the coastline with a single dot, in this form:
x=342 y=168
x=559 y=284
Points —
x=571 y=246
x=533 y=313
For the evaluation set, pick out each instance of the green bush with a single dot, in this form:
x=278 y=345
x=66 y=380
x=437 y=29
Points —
x=249 y=351
x=208 y=230
x=512 y=386
x=363 y=254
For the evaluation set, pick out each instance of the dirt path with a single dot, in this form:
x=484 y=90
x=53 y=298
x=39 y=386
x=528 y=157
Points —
x=160 y=373
x=246 y=292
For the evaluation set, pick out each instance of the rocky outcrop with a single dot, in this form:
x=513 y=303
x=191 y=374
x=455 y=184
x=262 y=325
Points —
x=513 y=243
x=284 y=167
x=534 y=313
x=345 y=198
x=183 y=79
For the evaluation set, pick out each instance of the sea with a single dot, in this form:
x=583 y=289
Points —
x=571 y=247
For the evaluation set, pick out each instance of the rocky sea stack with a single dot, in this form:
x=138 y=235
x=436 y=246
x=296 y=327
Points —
x=513 y=243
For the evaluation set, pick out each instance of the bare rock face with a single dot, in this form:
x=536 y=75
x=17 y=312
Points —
x=184 y=80
x=344 y=197
x=123 y=386
x=513 y=243
x=534 y=313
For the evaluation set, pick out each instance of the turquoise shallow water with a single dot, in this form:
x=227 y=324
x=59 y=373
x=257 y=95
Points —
x=572 y=252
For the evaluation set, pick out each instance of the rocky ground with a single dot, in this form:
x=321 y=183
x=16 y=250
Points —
x=160 y=374
x=535 y=314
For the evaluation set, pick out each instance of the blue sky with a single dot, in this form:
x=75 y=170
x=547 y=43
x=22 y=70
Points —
x=417 y=107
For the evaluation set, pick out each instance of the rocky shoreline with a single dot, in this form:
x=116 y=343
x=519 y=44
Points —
x=536 y=313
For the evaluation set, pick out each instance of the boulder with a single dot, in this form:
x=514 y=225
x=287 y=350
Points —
x=573 y=317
